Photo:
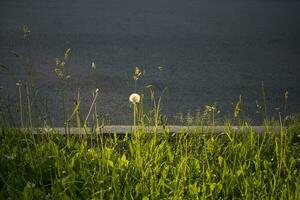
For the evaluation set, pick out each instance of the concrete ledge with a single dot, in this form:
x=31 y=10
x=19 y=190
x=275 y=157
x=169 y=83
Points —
x=123 y=129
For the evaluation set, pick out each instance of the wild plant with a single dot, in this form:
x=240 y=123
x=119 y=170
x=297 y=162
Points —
x=136 y=76
x=19 y=85
x=95 y=113
x=237 y=110
x=91 y=108
x=135 y=99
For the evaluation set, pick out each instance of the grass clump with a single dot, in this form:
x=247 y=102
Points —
x=143 y=165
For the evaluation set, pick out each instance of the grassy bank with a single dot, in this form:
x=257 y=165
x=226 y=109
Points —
x=191 y=165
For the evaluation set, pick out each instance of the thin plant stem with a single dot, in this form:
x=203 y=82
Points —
x=29 y=107
x=78 y=122
x=91 y=107
x=134 y=113
x=96 y=117
x=264 y=100
x=285 y=106
x=20 y=104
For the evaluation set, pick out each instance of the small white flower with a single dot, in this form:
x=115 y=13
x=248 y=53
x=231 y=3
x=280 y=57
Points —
x=97 y=90
x=134 y=98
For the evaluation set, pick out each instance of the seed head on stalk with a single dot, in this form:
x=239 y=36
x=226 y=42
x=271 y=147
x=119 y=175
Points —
x=134 y=98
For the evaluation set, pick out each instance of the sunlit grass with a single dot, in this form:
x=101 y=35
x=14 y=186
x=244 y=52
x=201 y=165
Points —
x=183 y=165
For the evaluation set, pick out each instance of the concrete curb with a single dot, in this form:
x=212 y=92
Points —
x=123 y=129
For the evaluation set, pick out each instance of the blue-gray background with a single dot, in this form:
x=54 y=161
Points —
x=211 y=51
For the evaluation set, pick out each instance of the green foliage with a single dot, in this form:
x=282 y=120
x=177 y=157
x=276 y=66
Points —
x=146 y=165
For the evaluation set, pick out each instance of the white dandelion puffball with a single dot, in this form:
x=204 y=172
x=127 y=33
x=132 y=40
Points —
x=134 y=98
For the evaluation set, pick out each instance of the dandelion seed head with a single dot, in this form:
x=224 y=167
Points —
x=134 y=98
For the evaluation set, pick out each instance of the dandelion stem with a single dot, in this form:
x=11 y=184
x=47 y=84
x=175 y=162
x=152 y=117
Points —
x=134 y=113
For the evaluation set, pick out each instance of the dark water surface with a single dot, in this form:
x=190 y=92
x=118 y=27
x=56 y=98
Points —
x=211 y=51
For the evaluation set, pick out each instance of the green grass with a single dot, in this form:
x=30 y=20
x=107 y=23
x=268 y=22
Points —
x=192 y=165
